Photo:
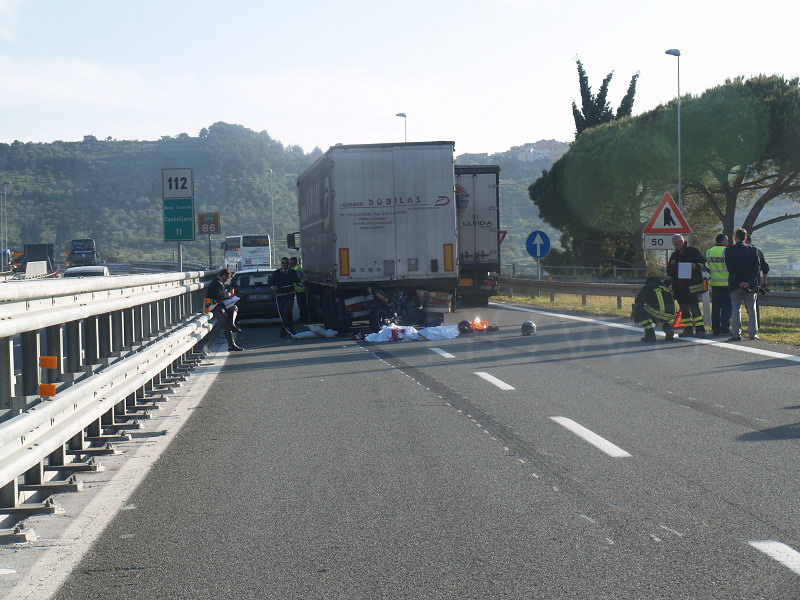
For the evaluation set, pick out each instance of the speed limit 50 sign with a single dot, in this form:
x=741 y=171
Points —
x=208 y=223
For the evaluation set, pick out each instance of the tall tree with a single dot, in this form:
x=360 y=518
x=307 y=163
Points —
x=596 y=110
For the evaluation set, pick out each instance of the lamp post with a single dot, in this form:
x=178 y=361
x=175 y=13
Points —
x=405 y=125
x=677 y=53
x=272 y=218
x=4 y=224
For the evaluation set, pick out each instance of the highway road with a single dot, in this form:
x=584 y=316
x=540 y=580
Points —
x=576 y=463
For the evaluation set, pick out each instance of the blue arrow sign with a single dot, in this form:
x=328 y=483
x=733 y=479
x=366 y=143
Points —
x=537 y=244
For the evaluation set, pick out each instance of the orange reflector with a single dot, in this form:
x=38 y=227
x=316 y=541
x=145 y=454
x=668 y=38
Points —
x=344 y=262
x=207 y=300
x=449 y=264
x=48 y=362
x=207 y=309
x=47 y=390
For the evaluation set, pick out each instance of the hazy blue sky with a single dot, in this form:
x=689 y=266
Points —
x=488 y=74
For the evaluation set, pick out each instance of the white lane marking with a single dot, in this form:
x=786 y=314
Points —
x=491 y=379
x=591 y=437
x=665 y=528
x=7 y=571
x=786 y=555
x=759 y=351
x=441 y=352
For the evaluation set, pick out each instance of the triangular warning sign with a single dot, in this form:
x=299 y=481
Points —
x=667 y=218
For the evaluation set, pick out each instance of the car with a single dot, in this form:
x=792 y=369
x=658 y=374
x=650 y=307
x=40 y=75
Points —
x=256 y=298
x=89 y=271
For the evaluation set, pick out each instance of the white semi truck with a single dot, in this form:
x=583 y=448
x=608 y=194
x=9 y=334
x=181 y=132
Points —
x=477 y=194
x=378 y=224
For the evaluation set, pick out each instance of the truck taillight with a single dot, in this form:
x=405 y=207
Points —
x=449 y=263
x=344 y=262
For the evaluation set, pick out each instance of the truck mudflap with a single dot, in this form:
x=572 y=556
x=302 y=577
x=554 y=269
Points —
x=435 y=302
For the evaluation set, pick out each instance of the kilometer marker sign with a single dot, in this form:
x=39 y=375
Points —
x=178 y=194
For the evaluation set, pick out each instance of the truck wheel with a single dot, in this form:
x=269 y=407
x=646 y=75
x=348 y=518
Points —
x=378 y=317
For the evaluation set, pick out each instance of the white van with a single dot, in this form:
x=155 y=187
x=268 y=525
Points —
x=89 y=271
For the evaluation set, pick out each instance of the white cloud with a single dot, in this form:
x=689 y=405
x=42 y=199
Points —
x=9 y=19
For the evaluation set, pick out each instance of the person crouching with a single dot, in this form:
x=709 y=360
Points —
x=655 y=306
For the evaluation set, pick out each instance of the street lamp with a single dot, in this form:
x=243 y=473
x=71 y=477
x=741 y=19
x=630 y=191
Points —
x=405 y=123
x=4 y=224
x=272 y=218
x=677 y=53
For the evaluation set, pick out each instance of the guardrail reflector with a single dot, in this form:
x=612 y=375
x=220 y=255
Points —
x=48 y=362
x=344 y=262
x=47 y=390
x=449 y=264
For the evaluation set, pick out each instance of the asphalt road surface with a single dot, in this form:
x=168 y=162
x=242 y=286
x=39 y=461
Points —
x=576 y=463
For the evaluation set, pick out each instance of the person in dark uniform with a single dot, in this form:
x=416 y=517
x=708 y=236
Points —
x=300 y=290
x=282 y=282
x=654 y=306
x=227 y=316
x=687 y=291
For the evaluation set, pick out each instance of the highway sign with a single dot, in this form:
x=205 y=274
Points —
x=208 y=223
x=178 y=219
x=667 y=219
x=658 y=241
x=177 y=183
x=537 y=244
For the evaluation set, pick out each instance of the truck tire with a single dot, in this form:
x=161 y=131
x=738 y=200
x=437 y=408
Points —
x=334 y=313
x=378 y=317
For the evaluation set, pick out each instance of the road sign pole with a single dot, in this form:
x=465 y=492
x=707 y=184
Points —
x=180 y=257
x=210 y=264
x=539 y=268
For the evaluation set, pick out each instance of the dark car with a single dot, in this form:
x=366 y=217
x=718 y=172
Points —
x=256 y=299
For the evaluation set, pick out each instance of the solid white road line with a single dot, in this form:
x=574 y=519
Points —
x=491 y=379
x=591 y=437
x=768 y=353
x=441 y=352
x=786 y=555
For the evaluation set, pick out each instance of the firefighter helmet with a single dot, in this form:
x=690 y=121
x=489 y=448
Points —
x=528 y=328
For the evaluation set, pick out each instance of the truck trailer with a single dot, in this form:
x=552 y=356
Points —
x=378 y=224
x=477 y=192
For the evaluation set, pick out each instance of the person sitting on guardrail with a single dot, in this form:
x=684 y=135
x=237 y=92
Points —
x=226 y=316
x=655 y=306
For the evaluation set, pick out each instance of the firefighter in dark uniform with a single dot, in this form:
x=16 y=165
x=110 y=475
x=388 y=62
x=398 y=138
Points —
x=687 y=291
x=655 y=306
x=227 y=316
x=282 y=282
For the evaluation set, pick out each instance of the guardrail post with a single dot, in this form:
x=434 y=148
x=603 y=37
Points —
x=90 y=335
x=116 y=332
x=35 y=475
x=104 y=337
x=128 y=324
x=552 y=296
x=619 y=302
x=30 y=364
x=74 y=347
x=583 y=299
x=154 y=319
x=9 y=494
x=6 y=372
x=55 y=347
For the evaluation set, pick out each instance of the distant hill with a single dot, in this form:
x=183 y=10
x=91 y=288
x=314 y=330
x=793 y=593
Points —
x=111 y=189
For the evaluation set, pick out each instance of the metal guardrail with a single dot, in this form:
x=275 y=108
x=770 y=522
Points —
x=619 y=290
x=113 y=341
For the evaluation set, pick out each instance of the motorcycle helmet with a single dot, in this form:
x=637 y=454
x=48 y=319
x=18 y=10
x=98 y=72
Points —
x=528 y=328
x=465 y=327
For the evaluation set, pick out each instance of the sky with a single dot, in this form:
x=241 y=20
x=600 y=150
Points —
x=487 y=74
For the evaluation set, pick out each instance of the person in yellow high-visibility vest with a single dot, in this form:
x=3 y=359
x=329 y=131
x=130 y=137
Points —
x=718 y=280
x=300 y=290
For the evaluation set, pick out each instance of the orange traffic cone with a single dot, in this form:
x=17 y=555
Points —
x=677 y=323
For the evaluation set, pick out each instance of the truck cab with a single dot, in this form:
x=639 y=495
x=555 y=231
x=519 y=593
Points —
x=82 y=253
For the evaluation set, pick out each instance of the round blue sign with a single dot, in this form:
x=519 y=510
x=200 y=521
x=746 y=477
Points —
x=537 y=244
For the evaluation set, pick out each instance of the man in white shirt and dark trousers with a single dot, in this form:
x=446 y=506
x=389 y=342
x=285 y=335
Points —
x=282 y=282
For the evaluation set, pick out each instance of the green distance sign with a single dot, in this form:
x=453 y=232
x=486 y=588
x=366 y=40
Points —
x=178 y=219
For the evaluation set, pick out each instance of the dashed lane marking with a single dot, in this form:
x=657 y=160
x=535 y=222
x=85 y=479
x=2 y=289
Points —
x=441 y=352
x=786 y=555
x=591 y=437
x=494 y=380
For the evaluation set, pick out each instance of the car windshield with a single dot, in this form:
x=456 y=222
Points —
x=251 y=279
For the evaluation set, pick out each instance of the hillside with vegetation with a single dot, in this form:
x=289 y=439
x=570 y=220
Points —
x=111 y=189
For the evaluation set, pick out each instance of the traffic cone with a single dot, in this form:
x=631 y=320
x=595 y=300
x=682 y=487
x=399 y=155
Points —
x=677 y=323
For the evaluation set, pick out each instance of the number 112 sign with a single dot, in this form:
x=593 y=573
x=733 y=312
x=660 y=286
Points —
x=177 y=183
